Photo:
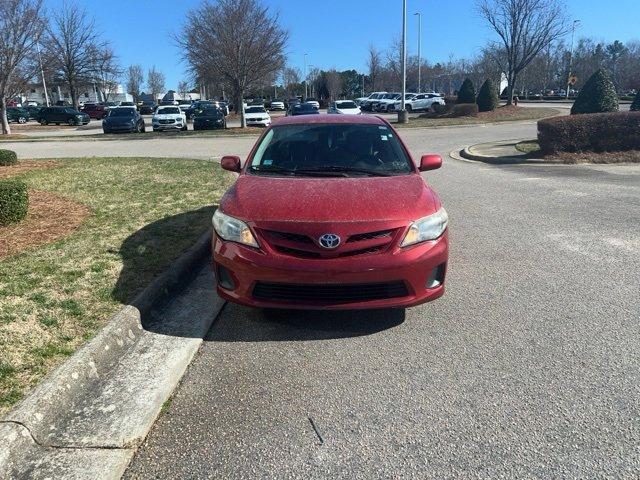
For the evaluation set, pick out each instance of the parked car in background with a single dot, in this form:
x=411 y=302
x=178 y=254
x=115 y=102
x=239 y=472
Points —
x=184 y=104
x=312 y=101
x=17 y=114
x=257 y=116
x=303 y=109
x=169 y=117
x=367 y=103
x=147 y=108
x=424 y=101
x=293 y=101
x=111 y=104
x=346 y=107
x=382 y=104
x=276 y=105
x=33 y=111
x=62 y=103
x=95 y=110
x=169 y=102
x=395 y=105
x=367 y=230
x=209 y=118
x=123 y=119
x=60 y=115
x=128 y=104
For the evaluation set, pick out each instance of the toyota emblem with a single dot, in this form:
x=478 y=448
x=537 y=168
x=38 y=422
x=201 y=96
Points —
x=329 y=240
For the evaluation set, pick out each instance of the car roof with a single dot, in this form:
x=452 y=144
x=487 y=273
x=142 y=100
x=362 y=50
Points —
x=330 y=119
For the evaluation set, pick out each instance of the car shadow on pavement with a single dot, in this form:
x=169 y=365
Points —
x=242 y=324
x=149 y=251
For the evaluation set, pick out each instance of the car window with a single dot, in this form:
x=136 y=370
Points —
x=346 y=105
x=168 y=110
x=330 y=147
x=255 y=110
x=122 y=112
x=210 y=112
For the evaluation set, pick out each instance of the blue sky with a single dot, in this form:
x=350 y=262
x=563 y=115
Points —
x=336 y=33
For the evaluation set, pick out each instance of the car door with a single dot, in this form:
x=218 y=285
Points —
x=418 y=101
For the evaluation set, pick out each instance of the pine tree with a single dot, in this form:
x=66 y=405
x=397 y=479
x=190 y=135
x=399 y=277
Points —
x=467 y=92
x=487 y=97
x=597 y=95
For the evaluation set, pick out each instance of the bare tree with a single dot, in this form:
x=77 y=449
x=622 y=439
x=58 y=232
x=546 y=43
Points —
x=107 y=72
x=240 y=41
x=135 y=79
x=525 y=28
x=72 y=42
x=333 y=82
x=155 y=82
x=20 y=25
x=291 y=80
x=374 y=63
x=183 y=89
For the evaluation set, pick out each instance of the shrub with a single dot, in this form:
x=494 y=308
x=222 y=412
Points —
x=8 y=157
x=597 y=132
x=467 y=92
x=635 y=106
x=487 y=97
x=598 y=95
x=440 y=109
x=14 y=201
x=465 y=110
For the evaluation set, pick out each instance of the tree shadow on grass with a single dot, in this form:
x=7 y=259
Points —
x=150 y=251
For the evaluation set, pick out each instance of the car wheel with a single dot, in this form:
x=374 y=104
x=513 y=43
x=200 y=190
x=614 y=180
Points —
x=184 y=129
x=409 y=108
x=43 y=122
x=104 y=130
x=22 y=120
x=71 y=122
x=432 y=107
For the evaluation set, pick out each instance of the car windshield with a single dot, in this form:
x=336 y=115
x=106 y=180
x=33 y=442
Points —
x=330 y=150
x=210 y=112
x=255 y=110
x=168 y=110
x=122 y=112
x=346 y=105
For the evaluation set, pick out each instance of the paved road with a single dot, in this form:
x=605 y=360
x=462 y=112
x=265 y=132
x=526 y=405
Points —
x=529 y=367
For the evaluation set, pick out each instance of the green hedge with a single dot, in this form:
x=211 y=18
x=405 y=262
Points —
x=8 y=157
x=598 y=95
x=465 y=110
x=467 y=92
x=487 y=97
x=14 y=201
x=635 y=106
x=598 y=132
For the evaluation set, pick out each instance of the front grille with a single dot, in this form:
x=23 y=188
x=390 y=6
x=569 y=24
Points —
x=329 y=294
x=167 y=122
x=370 y=236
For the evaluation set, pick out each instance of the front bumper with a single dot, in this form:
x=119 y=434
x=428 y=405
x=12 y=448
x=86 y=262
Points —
x=119 y=128
x=168 y=126
x=249 y=268
x=262 y=123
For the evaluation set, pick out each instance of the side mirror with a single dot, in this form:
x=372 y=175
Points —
x=231 y=163
x=431 y=161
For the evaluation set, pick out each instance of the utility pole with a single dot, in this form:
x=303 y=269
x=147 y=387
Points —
x=362 y=89
x=305 y=78
x=419 y=49
x=403 y=116
x=573 y=31
x=44 y=82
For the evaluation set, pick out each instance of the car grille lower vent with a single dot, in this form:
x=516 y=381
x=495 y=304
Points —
x=329 y=294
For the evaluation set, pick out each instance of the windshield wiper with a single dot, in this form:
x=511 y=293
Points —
x=340 y=169
x=272 y=169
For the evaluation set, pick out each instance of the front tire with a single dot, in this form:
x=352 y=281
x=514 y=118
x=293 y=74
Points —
x=409 y=108
x=22 y=120
x=71 y=122
x=43 y=122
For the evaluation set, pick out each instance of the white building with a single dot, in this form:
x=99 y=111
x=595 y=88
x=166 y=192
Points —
x=86 y=95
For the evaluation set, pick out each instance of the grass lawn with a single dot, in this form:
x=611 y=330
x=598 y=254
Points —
x=143 y=214
x=528 y=146
x=500 y=114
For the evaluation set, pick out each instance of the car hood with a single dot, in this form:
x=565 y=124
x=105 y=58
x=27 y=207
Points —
x=348 y=110
x=119 y=120
x=165 y=116
x=258 y=198
x=256 y=115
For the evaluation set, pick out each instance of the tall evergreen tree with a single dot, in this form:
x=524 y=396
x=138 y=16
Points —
x=487 y=97
x=597 y=95
x=467 y=92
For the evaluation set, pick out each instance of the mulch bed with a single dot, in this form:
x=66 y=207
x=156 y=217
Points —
x=49 y=218
x=24 y=166
x=629 y=156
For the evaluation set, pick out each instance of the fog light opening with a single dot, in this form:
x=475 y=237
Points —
x=224 y=278
x=436 y=277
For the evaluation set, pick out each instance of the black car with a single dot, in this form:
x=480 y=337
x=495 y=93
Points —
x=123 y=119
x=17 y=114
x=302 y=109
x=148 y=108
x=209 y=118
x=33 y=112
x=59 y=115
x=197 y=107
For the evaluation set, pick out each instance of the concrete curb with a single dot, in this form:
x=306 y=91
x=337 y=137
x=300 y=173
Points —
x=86 y=419
x=469 y=154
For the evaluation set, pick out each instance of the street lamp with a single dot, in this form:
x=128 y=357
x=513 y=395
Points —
x=403 y=116
x=573 y=31
x=419 y=48
x=305 y=77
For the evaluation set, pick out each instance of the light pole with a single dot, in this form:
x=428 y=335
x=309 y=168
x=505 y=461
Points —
x=403 y=116
x=419 y=48
x=44 y=82
x=305 y=77
x=573 y=31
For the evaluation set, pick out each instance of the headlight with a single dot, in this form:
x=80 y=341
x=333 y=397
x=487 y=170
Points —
x=233 y=230
x=426 y=228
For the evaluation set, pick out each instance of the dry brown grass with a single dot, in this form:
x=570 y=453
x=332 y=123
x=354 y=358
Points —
x=24 y=166
x=49 y=218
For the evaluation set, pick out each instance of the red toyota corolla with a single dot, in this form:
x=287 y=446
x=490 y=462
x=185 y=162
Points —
x=330 y=212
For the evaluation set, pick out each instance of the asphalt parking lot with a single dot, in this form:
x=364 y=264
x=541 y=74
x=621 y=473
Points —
x=528 y=367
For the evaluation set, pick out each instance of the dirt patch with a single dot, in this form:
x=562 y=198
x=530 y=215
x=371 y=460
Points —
x=26 y=165
x=31 y=126
x=49 y=218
